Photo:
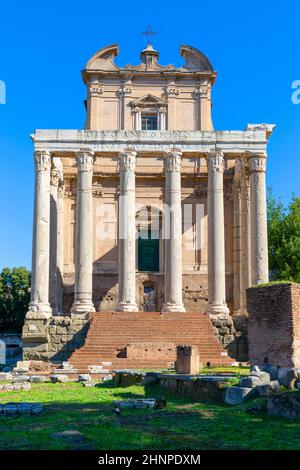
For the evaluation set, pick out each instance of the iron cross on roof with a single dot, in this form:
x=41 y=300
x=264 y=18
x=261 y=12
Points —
x=149 y=32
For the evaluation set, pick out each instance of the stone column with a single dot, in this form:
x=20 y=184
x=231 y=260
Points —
x=237 y=237
x=56 y=178
x=216 y=243
x=173 y=243
x=39 y=306
x=259 y=233
x=84 y=236
x=245 y=235
x=127 y=254
x=136 y=119
x=60 y=247
x=162 y=119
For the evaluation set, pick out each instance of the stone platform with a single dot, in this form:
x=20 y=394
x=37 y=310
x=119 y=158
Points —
x=146 y=340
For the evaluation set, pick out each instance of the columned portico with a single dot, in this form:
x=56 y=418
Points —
x=216 y=245
x=39 y=306
x=173 y=242
x=259 y=234
x=127 y=250
x=84 y=235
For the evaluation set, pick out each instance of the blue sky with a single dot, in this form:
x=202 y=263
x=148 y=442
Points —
x=254 y=47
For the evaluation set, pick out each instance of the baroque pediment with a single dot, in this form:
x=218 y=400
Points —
x=195 y=61
x=148 y=100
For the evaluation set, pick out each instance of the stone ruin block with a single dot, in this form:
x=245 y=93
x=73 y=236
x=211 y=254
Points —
x=274 y=325
x=187 y=360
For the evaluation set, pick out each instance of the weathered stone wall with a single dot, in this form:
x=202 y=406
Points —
x=105 y=291
x=274 y=324
x=54 y=339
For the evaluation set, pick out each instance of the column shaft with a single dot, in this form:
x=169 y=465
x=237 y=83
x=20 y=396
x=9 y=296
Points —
x=84 y=236
x=216 y=243
x=259 y=232
x=173 y=243
x=127 y=256
x=56 y=180
x=245 y=235
x=39 y=305
x=237 y=238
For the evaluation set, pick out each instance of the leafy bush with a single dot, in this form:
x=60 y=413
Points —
x=14 y=298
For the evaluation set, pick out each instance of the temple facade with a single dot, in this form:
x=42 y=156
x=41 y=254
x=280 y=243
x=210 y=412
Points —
x=148 y=208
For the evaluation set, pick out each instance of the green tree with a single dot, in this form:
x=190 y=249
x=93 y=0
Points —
x=284 y=239
x=14 y=298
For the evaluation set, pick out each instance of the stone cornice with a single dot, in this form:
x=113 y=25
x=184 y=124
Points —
x=229 y=142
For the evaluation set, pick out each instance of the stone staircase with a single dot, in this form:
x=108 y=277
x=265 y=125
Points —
x=110 y=334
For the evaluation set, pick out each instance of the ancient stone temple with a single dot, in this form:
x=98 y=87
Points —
x=149 y=225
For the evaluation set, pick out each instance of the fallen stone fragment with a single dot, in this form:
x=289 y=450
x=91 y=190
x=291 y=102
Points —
x=285 y=405
x=89 y=384
x=59 y=378
x=22 y=366
x=37 y=379
x=253 y=381
x=282 y=372
x=5 y=376
x=272 y=370
x=84 y=378
x=20 y=408
x=107 y=378
x=237 y=395
x=264 y=376
x=21 y=378
x=138 y=403
x=268 y=389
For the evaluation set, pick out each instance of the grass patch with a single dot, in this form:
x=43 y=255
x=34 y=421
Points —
x=238 y=370
x=182 y=425
x=271 y=283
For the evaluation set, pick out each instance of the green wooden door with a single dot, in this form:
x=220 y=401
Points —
x=148 y=254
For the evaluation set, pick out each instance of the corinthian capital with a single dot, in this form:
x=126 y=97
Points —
x=215 y=161
x=85 y=160
x=173 y=160
x=127 y=160
x=42 y=160
x=257 y=162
